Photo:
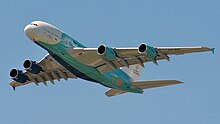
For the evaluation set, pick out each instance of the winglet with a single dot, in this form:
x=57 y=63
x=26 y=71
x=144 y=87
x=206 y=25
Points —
x=213 y=50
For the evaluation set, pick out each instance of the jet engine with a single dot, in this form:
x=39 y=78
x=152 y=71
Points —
x=148 y=51
x=32 y=66
x=106 y=52
x=18 y=75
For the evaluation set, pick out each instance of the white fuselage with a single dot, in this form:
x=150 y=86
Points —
x=42 y=31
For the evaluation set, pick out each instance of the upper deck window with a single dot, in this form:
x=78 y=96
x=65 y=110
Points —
x=33 y=24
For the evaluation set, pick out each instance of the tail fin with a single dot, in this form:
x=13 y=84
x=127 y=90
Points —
x=134 y=71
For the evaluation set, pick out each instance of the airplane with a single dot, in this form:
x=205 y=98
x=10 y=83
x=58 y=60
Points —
x=116 y=68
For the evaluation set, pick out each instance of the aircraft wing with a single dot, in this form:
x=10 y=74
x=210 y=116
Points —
x=183 y=50
x=128 y=56
x=51 y=70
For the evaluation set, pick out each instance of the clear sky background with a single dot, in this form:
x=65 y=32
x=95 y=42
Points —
x=116 y=23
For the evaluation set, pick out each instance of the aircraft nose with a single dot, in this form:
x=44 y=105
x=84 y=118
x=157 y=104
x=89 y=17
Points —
x=29 y=31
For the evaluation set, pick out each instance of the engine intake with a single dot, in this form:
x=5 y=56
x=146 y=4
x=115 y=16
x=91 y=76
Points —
x=32 y=66
x=106 y=52
x=142 y=48
x=18 y=75
x=148 y=51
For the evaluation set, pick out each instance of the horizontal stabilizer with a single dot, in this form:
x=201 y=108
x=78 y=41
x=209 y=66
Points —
x=152 y=84
x=114 y=92
x=143 y=85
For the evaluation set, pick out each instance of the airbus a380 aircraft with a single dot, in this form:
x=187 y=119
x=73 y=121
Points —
x=116 y=68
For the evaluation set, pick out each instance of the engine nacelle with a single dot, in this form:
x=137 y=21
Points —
x=148 y=51
x=106 y=52
x=32 y=66
x=18 y=75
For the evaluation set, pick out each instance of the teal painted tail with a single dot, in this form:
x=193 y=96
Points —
x=134 y=71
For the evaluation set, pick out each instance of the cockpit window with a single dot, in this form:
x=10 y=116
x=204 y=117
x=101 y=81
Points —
x=33 y=24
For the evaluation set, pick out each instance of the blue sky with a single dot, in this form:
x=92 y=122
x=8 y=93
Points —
x=116 y=23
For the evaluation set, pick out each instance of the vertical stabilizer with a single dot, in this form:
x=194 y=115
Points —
x=134 y=71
